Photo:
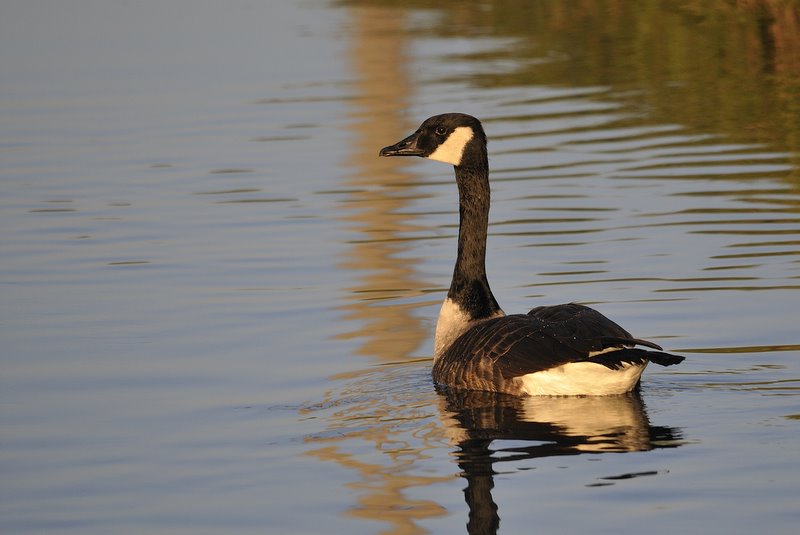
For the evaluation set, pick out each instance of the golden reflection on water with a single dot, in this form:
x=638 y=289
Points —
x=384 y=424
x=380 y=192
x=389 y=334
x=369 y=432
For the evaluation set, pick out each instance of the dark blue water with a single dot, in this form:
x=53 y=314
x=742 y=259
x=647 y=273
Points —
x=218 y=304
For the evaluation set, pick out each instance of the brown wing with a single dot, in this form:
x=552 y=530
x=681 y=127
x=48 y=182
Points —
x=585 y=328
x=495 y=351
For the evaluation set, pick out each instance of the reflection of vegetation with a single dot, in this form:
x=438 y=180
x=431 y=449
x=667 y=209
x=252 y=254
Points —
x=728 y=66
x=383 y=427
x=717 y=66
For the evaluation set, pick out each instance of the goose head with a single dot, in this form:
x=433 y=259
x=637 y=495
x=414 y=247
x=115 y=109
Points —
x=454 y=138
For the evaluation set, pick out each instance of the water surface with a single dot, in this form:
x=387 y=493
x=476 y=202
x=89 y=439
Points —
x=218 y=304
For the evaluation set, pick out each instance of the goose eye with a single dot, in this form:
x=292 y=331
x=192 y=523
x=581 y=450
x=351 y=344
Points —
x=441 y=130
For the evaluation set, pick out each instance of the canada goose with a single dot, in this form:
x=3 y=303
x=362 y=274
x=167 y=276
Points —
x=565 y=349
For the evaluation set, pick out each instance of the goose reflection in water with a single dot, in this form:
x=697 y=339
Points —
x=539 y=427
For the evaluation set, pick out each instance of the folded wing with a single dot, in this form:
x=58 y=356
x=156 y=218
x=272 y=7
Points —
x=499 y=349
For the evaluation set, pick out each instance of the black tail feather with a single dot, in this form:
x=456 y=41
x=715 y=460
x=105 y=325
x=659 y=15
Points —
x=664 y=359
x=610 y=341
x=616 y=359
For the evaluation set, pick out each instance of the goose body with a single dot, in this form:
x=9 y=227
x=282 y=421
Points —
x=567 y=349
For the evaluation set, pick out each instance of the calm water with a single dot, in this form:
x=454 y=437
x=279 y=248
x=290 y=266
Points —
x=218 y=303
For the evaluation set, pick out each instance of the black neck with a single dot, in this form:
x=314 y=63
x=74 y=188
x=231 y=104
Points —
x=469 y=287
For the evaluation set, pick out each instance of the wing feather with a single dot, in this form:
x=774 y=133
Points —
x=493 y=352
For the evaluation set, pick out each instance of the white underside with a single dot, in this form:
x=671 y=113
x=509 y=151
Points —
x=582 y=379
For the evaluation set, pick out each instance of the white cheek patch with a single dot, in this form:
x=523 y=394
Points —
x=452 y=149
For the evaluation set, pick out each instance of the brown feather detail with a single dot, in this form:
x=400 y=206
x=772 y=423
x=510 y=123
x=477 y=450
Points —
x=494 y=353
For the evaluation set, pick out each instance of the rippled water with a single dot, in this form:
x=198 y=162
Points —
x=218 y=303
